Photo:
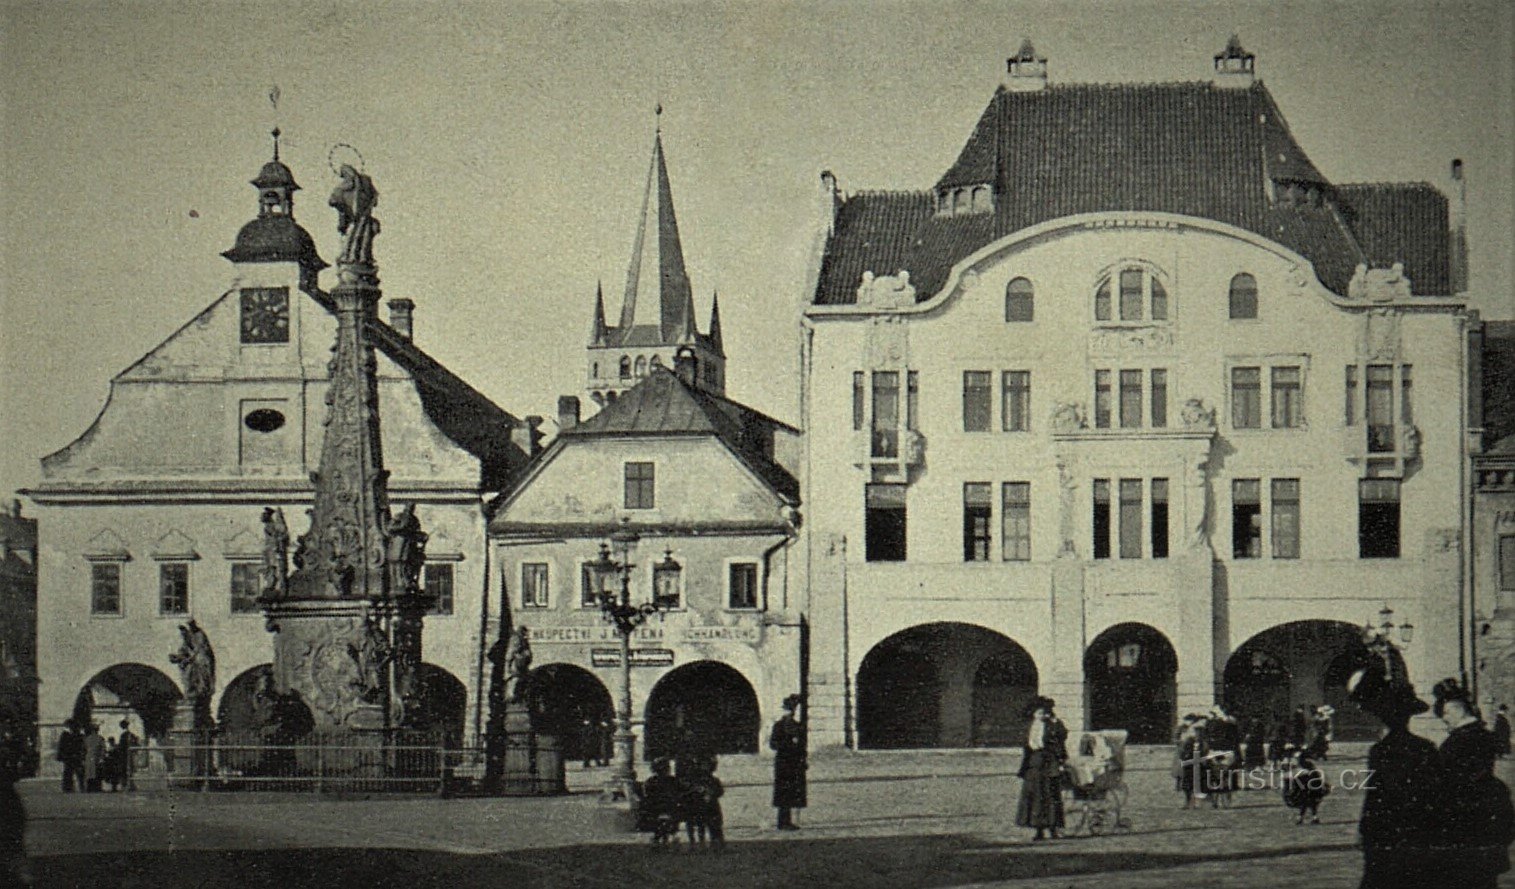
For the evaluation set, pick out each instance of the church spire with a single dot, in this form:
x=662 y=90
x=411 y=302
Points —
x=597 y=335
x=715 y=324
x=657 y=284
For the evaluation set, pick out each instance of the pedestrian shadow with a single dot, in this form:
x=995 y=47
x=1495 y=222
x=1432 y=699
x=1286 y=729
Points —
x=931 y=862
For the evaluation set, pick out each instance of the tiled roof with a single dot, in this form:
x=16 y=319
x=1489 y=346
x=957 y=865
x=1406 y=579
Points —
x=1187 y=148
x=663 y=404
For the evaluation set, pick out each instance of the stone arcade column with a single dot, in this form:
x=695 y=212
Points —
x=1201 y=607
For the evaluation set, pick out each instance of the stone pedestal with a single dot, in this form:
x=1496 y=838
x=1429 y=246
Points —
x=532 y=763
x=317 y=654
x=191 y=734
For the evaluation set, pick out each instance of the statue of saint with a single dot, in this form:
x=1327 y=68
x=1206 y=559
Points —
x=354 y=199
x=197 y=663
x=518 y=665
x=275 y=553
x=406 y=551
x=371 y=653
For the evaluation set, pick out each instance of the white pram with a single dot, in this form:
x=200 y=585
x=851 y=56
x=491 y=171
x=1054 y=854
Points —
x=1096 y=780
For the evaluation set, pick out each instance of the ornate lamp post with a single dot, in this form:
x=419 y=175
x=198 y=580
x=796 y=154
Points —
x=618 y=608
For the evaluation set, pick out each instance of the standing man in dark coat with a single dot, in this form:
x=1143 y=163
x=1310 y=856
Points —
x=1477 y=818
x=71 y=754
x=788 y=743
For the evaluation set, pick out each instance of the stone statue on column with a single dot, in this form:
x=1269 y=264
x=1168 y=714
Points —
x=354 y=199
x=275 y=553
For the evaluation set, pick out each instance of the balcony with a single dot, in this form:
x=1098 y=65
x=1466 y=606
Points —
x=902 y=448
x=1400 y=442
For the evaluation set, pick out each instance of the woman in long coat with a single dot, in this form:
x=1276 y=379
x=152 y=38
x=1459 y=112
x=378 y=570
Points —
x=1041 y=772
x=788 y=743
x=1476 y=810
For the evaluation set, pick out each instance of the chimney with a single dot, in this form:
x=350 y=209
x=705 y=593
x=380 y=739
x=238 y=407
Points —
x=1026 y=72
x=568 y=412
x=687 y=366
x=1457 y=265
x=402 y=316
x=1234 y=66
x=528 y=435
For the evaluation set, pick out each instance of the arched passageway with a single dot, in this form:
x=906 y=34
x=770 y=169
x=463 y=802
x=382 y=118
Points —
x=1131 y=680
x=142 y=695
x=944 y=685
x=1303 y=663
x=563 y=697
x=441 y=703
x=706 y=707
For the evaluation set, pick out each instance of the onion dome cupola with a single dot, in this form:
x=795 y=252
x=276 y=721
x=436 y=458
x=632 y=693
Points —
x=274 y=236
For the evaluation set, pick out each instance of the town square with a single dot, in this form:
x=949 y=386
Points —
x=758 y=444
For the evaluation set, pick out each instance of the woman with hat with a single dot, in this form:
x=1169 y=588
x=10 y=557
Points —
x=1478 y=817
x=787 y=741
x=1041 y=802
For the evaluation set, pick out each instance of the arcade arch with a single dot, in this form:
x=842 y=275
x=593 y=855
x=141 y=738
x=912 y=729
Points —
x=562 y=697
x=1131 y=681
x=704 y=706
x=143 y=695
x=1299 y=663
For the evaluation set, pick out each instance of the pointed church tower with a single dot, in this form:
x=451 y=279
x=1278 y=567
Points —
x=657 y=308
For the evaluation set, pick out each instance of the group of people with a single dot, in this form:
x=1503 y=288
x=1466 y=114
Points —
x=596 y=739
x=91 y=763
x=1212 y=752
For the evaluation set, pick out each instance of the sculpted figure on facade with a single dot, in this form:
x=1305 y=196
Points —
x=371 y=653
x=354 y=199
x=1067 y=487
x=518 y=665
x=886 y=291
x=405 y=551
x=197 y=664
x=275 y=553
x=1068 y=416
x=1195 y=415
x=1379 y=285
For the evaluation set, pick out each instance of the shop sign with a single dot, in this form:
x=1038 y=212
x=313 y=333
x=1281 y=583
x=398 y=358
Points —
x=640 y=657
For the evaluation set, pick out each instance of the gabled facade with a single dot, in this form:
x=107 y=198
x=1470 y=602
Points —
x=708 y=486
x=1133 y=408
x=153 y=515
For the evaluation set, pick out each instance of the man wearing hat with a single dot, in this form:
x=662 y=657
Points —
x=788 y=743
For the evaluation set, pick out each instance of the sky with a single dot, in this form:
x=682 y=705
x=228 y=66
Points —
x=510 y=146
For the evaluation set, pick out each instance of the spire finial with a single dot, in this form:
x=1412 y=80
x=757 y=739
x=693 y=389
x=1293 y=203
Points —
x=276 y=132
x=658 y=116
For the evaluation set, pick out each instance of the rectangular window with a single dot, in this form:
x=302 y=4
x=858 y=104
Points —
x=976 y=400
x=978 y=513
x=742 y=585
x=1406 y=414
x=884 y=529
x=1378 y=518
x=1101 y=518
x=1015 y=522
x=1159 y=398
x=1159 y=518
x=1102 y=399
x=1131 y=295
x=1285 y=506
x=1246 y=398
x=590 y=585
x=1130 y=518
x=886 y=413
x=534 y=578
x=436 y=580
x=105 y=588
x=857 y=400
x=1288 y=398
x=246 y=587
x=1380 y=408
x=1246 y=518
x=1351 y=405
x=912 y=399
x=639 y=486
x=1507 y=563
x=173 y=588
x=1016 y=416
x=1130 y=399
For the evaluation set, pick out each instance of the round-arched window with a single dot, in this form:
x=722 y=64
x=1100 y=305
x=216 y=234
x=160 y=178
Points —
x=264 y=420
x=1019 y=298
x=1244 y=297
x=1133 y=293
x=642 y=366
x=625 y=367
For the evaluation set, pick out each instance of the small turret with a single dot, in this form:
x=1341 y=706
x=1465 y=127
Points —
x=1026 y=71
x=1234 y=66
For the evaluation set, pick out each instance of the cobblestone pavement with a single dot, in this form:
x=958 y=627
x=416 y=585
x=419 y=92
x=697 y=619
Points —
x=927 y=819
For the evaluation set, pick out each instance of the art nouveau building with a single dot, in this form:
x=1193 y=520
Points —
x=1134 y=408
x=153 y=514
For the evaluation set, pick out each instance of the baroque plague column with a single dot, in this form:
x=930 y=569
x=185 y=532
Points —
x=347 y=621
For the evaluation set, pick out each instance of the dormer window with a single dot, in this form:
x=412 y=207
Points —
x=963 y=200
x=1135 y=293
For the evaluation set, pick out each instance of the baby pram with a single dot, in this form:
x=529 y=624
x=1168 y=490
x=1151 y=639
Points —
x=1096 y=781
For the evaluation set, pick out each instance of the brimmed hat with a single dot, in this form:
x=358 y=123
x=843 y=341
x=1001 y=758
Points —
x=793 y=701
x=1381 y=691
x=1038 y=703
x=1450 y=689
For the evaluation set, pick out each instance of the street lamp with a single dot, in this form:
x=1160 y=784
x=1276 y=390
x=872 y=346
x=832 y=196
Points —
x=626 y=617
x=1383 y=634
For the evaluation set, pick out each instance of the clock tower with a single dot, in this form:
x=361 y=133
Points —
x=273 y=251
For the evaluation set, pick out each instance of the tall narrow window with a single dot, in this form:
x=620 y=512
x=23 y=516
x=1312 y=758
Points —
x=1159 y=398
x=1016 y=410
x=591 y=585
x=978 y=512
x=1246 y=518
x=1246 y=398
x=858 y=406
x=977 y=396
x=1015 y=520
x=1131 y=295
x=1102 y=399
x=1288 y=398
x=1507 y=563
x=639 y=486
x=1159 y=301
x=246 y=587
x=884 y=526
x=1018 y=300
x=625 y=367
x=641 y=366
x=1351 y=401
x=1130 y=399
x=1380 y=408
x=1159 y=518
x=886 y=413
x=1243 y=297
x=534 y=578
x=173 y=588
x=1102 y=301
x=1378 y=518
x=1285 y=513
x=1406 y=413
x=1130 y=518
x=105 y=588
x=1101 y=518
x=912 y=399
x=742 y=585
x=437 y=581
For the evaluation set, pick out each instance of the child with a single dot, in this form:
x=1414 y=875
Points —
x=1305 y=788
x=661 y=802
x=702 y=806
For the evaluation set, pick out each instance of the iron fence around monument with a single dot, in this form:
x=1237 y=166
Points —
x=410 y=762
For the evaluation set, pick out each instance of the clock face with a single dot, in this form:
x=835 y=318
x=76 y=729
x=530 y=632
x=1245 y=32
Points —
x=265 y=315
